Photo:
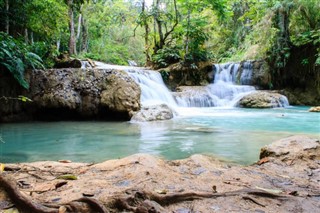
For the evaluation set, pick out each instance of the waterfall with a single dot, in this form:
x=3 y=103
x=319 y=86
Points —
x=223 y=92
x=224 y=87
x=246 y=74
x=153 y=89
x=229 y=86
x=226 y=72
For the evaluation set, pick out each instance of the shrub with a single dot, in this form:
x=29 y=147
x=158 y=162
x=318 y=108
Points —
x=166 y=56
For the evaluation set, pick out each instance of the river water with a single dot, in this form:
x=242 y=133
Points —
x=231 y=134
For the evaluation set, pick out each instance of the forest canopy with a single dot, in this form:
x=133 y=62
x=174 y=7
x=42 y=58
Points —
x=159 y=32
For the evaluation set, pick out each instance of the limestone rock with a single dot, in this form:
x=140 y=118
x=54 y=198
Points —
x=59 y=94
x=153 y=113
x=299 y=96
x=263 y=99
x=314 y=109
x=121 y=93
x=291 y=147
x=261 y=74
x=181 y=75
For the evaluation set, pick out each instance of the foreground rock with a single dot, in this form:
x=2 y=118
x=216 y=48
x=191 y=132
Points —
x=314 y=109
x=153 y=113
x=263 y=99
x=60 y=94
x=286 y=179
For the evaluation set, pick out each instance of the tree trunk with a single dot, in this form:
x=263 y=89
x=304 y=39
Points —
x=84 y=43
x=159 y=27
x=31 y=37
x=146 y=36
x=78 y=38
x=187 y=36
x=7 y=17
x=58 y=44
x=72 y=40
x=79 y=26
x=84 y=36
x=26 y=36
x=159 y=44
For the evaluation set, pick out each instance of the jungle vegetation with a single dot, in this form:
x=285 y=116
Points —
x=156 y=32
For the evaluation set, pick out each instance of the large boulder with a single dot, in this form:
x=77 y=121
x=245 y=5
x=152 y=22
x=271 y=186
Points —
x=263 y=99
x=60 y=94
x=121 y=93
x=153 y=113
x=186 y=75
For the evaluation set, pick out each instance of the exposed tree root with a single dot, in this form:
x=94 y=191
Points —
x=133 y=202
x=23 y=203
x=137 y=201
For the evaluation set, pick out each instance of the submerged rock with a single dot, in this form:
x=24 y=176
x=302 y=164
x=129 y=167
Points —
x=314 y=109
x=153 y=113
x=263 y=99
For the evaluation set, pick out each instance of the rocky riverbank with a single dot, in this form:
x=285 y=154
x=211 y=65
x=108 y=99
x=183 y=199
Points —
x=285 y=179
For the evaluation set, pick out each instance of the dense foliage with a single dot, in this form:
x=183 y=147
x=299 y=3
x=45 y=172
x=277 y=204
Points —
x=16 y=57
x=161 y=32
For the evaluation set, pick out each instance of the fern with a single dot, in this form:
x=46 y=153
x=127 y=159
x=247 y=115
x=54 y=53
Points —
x=15 y=57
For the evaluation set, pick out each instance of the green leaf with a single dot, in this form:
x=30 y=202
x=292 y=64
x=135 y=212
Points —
x=6 y=52
x=24 y=98
x=272 y=191
x=68 y=177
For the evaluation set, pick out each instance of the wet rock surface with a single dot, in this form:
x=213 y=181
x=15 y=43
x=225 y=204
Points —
x=153 y=113
x=285 y=179
x=314 y=109
x=263 y=99
x=121 y=93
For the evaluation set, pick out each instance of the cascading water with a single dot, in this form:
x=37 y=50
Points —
x=153 y=89
x=223 y=92
x=224 y=87
x=228 y=88
x=246 y=75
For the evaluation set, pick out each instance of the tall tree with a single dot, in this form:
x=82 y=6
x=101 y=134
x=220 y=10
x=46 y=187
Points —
x=166 y=20
x=72 y=39
x=73 y=5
